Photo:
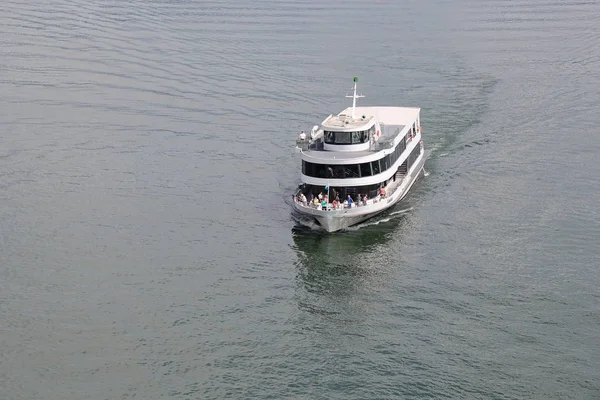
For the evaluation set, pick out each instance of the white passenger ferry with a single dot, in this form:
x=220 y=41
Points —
x=358 y=163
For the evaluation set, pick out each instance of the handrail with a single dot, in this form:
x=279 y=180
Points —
x=341 y=206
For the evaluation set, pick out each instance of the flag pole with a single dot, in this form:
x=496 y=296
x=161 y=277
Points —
x=354 y=97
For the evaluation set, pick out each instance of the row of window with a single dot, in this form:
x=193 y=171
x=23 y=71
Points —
x=370 y=190
x=355 y=170
x=412 y=157
x=357 y=137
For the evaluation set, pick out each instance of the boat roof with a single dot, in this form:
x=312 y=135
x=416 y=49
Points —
x=364 y=117
x=344 y=121
x=387 y=115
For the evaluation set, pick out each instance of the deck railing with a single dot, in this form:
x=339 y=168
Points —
x=339 y=206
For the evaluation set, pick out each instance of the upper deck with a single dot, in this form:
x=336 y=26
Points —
x=391 y=121
x=358 y=132
x=366 y=117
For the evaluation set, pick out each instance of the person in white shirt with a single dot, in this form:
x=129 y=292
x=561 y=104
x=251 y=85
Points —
x=302 y=198
x=302 y=136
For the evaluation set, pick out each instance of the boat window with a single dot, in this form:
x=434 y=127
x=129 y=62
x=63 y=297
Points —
x=343 y=137
x=355 y=171
x=309 y=169
x=337 y=171
x=401 y=145
x=329 y=137
x=330 y=171
x=356 y=137
x=365 y=169
x=338 y=137
x=414 y=155
x=352 y=171
x=385 y=162
x=375 y=166
x=321 y=171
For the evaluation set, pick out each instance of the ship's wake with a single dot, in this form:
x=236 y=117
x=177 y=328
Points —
x=379 y=219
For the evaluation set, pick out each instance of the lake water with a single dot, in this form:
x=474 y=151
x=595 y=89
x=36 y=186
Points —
x=147 y=245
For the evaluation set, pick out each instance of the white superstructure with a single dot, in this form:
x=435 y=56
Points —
x=375 y=152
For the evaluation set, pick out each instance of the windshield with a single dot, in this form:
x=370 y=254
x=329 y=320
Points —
x=346 y=137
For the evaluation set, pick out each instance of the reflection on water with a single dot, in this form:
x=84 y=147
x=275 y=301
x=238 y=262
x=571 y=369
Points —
x=334 y=267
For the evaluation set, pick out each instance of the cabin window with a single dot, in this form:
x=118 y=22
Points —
x=401 y=145
x=375 y=167
x=330 y=171
x=414 y=155
x=338 y=137
x=329 y=137
x=343 y=137
x=365 y=169
x=356 y=137
x=334 y=171
x=385 y=162
x=352 y=171
x=338 y=172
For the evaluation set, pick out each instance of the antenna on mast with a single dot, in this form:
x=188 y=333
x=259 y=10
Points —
x=354 y=97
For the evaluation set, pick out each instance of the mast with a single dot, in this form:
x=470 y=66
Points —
x=354 y=97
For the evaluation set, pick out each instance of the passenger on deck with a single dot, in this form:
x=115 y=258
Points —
x=302 y=198
x=382 y=192
x=350 y=201
x=302 y=136
x=365 y=200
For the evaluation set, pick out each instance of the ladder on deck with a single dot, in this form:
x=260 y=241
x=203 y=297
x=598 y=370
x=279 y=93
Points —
x=401 y=172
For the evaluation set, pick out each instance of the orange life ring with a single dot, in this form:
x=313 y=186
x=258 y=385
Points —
x=420 y=128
